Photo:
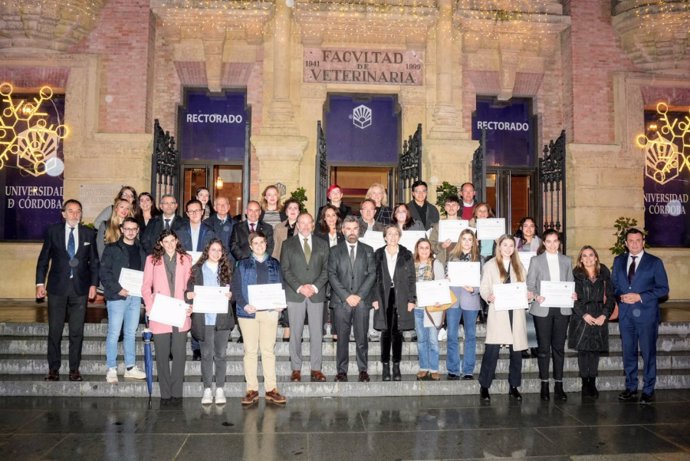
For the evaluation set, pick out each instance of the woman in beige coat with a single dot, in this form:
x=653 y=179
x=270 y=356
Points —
x=503 y=328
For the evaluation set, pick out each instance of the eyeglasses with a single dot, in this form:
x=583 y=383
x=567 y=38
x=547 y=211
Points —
x=193 y=211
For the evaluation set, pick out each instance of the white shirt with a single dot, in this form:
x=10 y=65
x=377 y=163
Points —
x=554 y=270
x=638 y=258
x=76 y=236
x=392 y=261
x=195 y=235
x=333 y=239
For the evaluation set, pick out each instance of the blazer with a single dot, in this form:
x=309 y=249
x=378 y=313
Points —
x=239 y=241
x=156 y=281
x=222 y=231
x=185 y=236
x=405 y=280
x=154 y=229
x=54 y=261
x=432 y=215
x=280 y=234
x=115 y=258
x=650 y=282
x=538 y=271
x=364 y=227
x=223 y=321
x=498 y=325
x=346 y=280
x=326 y=238
x=297 y=272
x=245 y=275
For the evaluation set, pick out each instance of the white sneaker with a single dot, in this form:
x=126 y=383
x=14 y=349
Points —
x=220 y=396
x=442 y=334
x=207 y=398
x=135 y=373
x=111 y=376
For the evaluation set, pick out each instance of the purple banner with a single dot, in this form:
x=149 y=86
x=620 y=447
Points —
x=362 y=130
x=32 y=175
x=213 y=127
x=509 y=131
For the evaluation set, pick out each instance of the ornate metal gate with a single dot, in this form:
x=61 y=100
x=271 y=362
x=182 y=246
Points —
x=322 y=178
x=410 y=165
x=165 y=164
x=552 y=186
x=479 y=169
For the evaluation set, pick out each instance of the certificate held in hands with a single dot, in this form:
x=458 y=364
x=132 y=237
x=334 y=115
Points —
x=464 y=274
x=168 y=311
x=449 y=229
x=410 y=238
x=490 y=228
x=210 y=300
x=557 y=294
x=267 y=297
x=510 y=296
x=131 y=281
x=433 y=292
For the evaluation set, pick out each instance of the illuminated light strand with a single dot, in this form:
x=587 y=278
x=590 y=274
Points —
x=25 y=134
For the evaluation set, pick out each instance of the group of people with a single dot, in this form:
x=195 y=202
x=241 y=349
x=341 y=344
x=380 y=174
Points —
x=331 y=277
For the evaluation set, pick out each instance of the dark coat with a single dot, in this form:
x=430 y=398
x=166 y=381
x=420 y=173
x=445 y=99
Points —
x=222 y=231
x=590 y=300
x=297 y=271
x=346 y=281
x=239 y=241
x=405 y=288
x=184 y=235
x=154 y=229
x=115 y=258
x=223 y=321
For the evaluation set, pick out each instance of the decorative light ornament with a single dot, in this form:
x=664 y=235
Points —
x=26 y=136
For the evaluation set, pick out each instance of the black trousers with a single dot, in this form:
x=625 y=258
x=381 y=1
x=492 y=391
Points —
x=588 y=361
x=357 y=318
x=391 y=336
x=551 y=333
x=487 y=371
x=70 y=308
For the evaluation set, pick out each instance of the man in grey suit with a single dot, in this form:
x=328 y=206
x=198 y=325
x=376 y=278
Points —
x=352 y=274
x=304 y=262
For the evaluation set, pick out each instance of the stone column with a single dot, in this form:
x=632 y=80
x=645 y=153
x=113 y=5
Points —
x=445 y=114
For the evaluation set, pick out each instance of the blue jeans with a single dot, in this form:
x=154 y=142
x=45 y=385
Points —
x=427 y=343
x=469 y=356
x=453 y=354
x=122 y=311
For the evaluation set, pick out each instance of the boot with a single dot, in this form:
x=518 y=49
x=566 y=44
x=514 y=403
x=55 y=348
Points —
x=586 y=389
x=558 y=392
x=386 y=371
x=396 y=371
x=593 y=391
x=544 y=391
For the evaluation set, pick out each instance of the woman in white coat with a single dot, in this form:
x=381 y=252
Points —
x=503 y=327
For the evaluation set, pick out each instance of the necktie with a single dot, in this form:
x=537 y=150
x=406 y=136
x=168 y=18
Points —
x=167 y=224
x=251 y=227
x=631 y=269
x=71 y=249
x=307 y=250
x=352 y=256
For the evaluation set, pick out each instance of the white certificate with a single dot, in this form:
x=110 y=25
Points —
x=510 y=296
x=374 y=239
x=557 y=294
x=433 y=292
x=464 y=274
x=210 y=300
x=526 y=257
x=195 y=256
x=490 y=228
x=168 y=311
x=409 y=239
x=131 y=281
x=449 y=229
x=267 y=297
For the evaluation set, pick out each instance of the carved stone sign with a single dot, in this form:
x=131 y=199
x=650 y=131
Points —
x=358 y=66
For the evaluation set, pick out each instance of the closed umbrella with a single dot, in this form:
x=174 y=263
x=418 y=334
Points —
x=147 y=336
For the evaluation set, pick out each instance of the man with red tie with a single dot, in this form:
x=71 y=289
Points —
x=640 y=280
x=239 y=241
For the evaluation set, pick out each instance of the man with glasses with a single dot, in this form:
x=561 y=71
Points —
x=195 y=234
x=167 y=220
x=124 y=308
x=420 y=209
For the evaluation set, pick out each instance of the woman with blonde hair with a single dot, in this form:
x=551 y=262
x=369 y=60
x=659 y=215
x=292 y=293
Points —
x=377 y=193
x=109 y=231
x=503 y=327
x=270 y=206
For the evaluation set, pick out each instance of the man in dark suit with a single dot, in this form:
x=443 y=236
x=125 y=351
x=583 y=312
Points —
x=221 y=222
x=167 y=220
x=239 y=241
x=70 y=251
x=420 y=209
x=304 y=263
x=352 y=274
x=640 y=280
x=194 y=234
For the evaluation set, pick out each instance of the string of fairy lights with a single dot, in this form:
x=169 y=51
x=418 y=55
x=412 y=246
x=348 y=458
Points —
x=663 y=14
x=60 y=8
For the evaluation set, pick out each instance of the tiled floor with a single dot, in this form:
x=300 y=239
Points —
x=348 y=429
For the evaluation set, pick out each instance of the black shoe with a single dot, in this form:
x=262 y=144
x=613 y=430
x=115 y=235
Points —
x=646 y=399
x=534 y=351
x=525 y=354
x=341 y=377
x=467 y=377
x=176 y=401
x=165 y=402
x=627 y=396
x=74 y=375
x=593 y=391
x=544 y=393
x=586 y=389
x=514 y=393
x=396 y=372
x=484 y=394
x=53 y=375
x=558 y=392
x=386 y=376
x=453 y=377
x=196 y=355
x=240 y=340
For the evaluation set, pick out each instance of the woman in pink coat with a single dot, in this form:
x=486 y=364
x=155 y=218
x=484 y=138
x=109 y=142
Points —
x=166 y=272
